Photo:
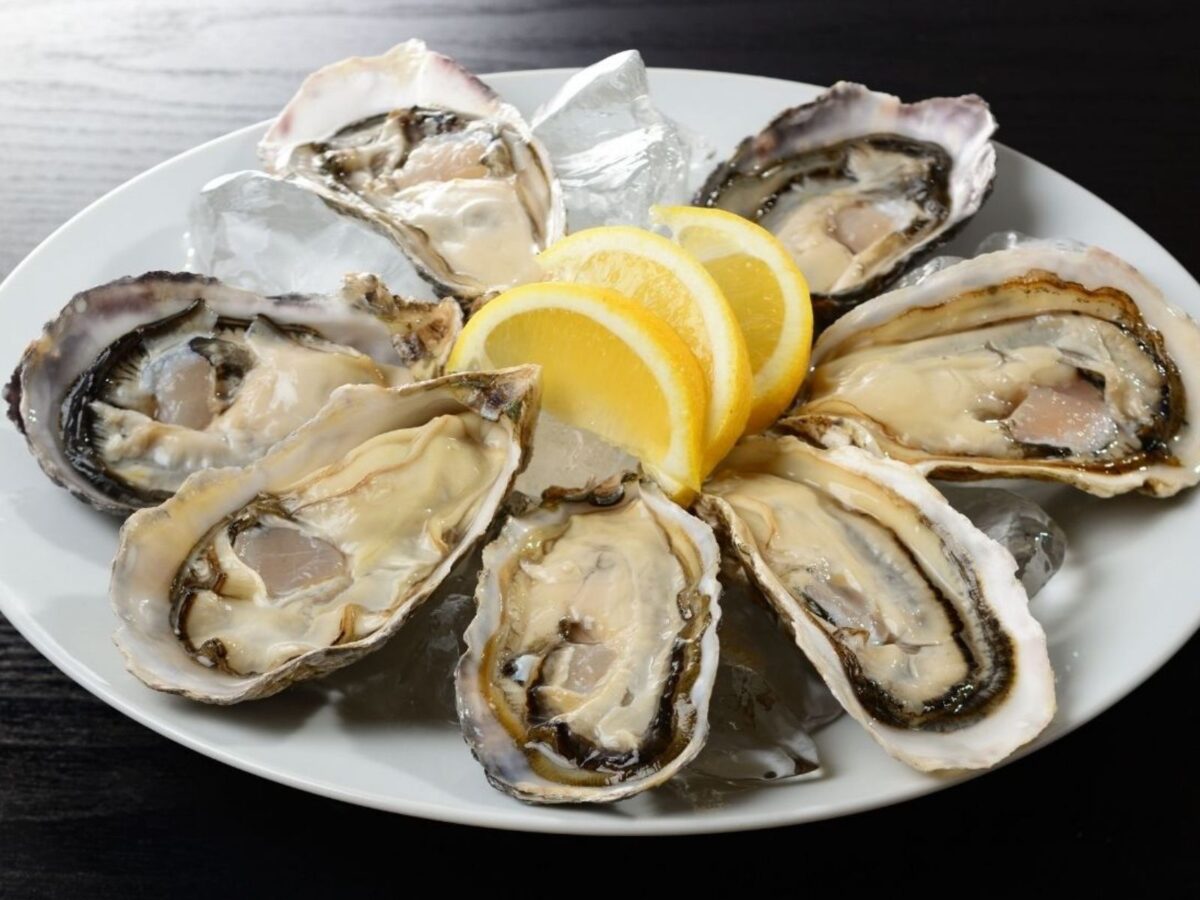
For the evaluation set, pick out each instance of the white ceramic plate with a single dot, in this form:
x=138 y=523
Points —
x=333 y=738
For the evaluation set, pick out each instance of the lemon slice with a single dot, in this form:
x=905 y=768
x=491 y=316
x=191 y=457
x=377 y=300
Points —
x=608 y=366
x=661 y=276
x=765 y=290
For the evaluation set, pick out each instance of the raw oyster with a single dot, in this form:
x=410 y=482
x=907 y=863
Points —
x=425 y=151
x=250 y=579
x=858 y=185
x=591 y=660
x=912 y=616
x=143 y=381
x=1046 y=360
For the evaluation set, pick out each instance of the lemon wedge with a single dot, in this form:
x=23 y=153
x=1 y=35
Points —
x=668 y=282
x=608 y=366
x=766 y=291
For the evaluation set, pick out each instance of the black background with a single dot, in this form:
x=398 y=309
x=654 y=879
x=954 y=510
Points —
x=1107 y=93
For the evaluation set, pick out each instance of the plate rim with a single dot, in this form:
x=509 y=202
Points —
x=45 y=643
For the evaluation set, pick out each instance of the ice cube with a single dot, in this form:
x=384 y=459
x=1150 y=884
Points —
x=261 y=233
x=922 y=272
x=753 y=736
x=568 y=457
x=767 y=700
x=613 y=150
x=411 y=679
x=1024 y=528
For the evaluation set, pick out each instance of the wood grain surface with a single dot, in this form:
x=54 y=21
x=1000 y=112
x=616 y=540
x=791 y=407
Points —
x=91 y=93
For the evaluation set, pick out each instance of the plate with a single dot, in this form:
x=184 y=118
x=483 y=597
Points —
x=341 y=738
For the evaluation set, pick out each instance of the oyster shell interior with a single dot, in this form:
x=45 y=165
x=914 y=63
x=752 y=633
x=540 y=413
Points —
x=249 y=579
x=421 y=148
x=141 y=382
x=1041 y=361
x=592 y=657
x=913 y=617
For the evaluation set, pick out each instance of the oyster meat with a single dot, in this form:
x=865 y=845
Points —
x=913 y=617
x=250 y=579
x=1045 y=360
x=141 y=382
x=858 y=185
x=592 y=656
x=425 y=151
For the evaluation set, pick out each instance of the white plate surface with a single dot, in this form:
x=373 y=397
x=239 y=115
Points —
x=331 y=738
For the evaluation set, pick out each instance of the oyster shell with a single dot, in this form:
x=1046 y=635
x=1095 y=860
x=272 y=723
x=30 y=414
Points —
x=912 y=616
x=858 y=185
x=250 y=579
x=592 y=656
x=140 y=382
x=1045 y=360
x=421 y=148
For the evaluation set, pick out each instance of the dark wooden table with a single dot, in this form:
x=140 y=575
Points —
x=91 y=93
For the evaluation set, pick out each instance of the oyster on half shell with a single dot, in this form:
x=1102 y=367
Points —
x=418 y=146
x=1045 y=360
x=592 y=656
x=143 y=381
x=250 y=579
x=858 y=185
x=913 y=617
